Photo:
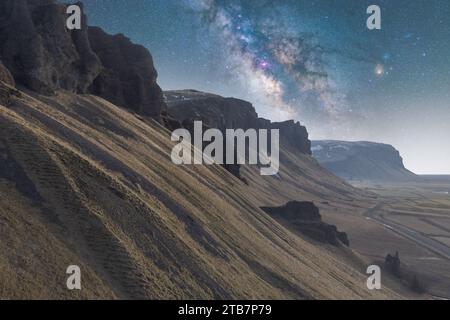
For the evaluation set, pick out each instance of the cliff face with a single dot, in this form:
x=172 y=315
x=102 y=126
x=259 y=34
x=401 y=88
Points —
x=361 y=160
x=229 y=113
x=128 y=77
x=44 y=56
x=294 y=134
x=40 y=52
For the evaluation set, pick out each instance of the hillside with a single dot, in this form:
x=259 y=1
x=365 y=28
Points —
x=362 y=160
x=86 y=178
x=86 y=182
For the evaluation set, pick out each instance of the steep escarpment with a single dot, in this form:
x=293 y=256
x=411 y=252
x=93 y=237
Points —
x=40 y=52
x=362 y=160
x=230 y=113
x=128 y=76
x=44 y=56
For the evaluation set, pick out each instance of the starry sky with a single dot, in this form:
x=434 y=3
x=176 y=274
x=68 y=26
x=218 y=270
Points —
x=310 y=60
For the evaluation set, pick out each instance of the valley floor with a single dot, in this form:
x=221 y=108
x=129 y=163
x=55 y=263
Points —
x=411 y=218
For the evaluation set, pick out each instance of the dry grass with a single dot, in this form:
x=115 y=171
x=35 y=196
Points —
x=111 y=201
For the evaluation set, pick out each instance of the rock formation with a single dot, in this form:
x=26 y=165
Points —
x=128 y=77
x=44 y=56
x=392 y=264
x=293 y=134
x=304 y=217
x=187 y=106
x=40 y=52
x=213 y=110
x=230 y=113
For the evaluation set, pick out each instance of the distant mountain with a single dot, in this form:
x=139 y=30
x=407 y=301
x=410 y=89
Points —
x=361 y=160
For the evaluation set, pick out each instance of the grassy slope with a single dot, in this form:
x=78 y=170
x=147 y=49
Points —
x=100 y=192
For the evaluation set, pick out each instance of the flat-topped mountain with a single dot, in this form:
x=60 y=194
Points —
x=361 y=160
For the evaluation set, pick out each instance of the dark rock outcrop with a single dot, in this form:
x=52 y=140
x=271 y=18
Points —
x=44 y=56
x=362 y=160
x=405 y=274
x=230 y=113
x=128 y=77
x=392 y=263
x=293 y=134
x=187 y=106
x=215 y=111
x=40 y=52
x=304 y=217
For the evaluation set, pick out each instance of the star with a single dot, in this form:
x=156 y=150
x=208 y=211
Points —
x=379 y=70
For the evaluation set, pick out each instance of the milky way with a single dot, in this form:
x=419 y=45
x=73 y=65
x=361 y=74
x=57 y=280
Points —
x=283 y=69
x=311 y=60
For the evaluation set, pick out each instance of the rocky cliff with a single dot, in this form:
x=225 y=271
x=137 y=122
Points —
x=304 y=217
x=5 y=76
x=361 y=160
x=230 y=113
x=44 y=56
x=40 y=52
x=128 y=76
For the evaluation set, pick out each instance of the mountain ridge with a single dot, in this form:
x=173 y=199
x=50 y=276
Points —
x=231 y=113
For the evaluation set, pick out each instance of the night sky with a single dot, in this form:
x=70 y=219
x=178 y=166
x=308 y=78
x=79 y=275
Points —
x=311 y=60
